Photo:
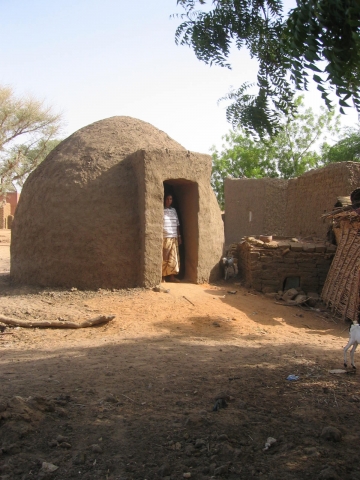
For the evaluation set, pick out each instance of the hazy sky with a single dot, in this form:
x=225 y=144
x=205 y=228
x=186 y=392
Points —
x=94 y=59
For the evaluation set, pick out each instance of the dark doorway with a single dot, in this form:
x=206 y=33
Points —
x=186 y=202
x=291 y=282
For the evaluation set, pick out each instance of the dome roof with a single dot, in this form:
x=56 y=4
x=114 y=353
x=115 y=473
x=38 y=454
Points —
x=99 y=146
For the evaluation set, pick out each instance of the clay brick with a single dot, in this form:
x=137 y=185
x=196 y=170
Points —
x=296 y=247
x=309 y=247
x=266 y=259
x=290 y=260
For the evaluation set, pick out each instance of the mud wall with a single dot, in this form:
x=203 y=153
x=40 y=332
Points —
x=265 y=268
x=77 y=223
x=286 y=207
x=189 y=174
x=249 y=207
x=315 y=193
x=12 y=198
x=5 y=212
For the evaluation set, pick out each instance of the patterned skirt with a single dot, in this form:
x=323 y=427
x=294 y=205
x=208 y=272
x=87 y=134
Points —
x=171 y=259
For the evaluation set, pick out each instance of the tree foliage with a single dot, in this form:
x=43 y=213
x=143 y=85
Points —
x=241 y=156
x=298 y=147
x=318 y=40
x=27 y=134
x=345 y=150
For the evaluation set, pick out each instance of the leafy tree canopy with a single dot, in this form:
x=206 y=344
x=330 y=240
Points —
x=297 y=147
x=318 y=40
x=27 y=134
x=347 y=149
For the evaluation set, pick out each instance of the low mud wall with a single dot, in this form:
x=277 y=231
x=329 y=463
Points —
x=267 y=267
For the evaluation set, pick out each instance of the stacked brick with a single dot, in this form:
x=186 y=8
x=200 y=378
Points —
x=266 y=266
x=5 y=213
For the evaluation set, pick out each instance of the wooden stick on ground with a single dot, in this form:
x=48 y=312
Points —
x=189 y=300
x=55 y=324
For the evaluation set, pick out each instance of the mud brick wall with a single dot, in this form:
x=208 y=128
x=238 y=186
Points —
x=12 y=198
x=249 y=207
x=265 y=268
x=5 y=211
x=286 y=207
x=314 y=193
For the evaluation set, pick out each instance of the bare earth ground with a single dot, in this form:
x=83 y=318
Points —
x=133 y=399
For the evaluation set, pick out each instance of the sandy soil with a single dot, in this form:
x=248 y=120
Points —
x=134 y=399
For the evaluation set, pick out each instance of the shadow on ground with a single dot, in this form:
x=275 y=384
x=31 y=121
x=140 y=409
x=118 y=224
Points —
x=143 y=409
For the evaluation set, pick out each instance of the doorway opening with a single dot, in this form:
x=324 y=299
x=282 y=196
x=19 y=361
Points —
x=291 y=282
x=186 y=203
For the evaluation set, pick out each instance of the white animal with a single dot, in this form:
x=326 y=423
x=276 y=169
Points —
x=229 y=263
x=354 y=341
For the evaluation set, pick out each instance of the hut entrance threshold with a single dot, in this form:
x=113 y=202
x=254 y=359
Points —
x=185 y=195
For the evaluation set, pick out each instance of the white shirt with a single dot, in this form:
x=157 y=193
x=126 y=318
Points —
x=171 y=222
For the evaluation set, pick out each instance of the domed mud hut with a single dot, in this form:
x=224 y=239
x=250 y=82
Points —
x=91 y=214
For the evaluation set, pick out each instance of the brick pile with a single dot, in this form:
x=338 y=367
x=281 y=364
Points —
x=266 y=266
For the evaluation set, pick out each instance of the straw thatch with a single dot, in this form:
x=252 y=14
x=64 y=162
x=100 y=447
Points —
x=341 y=289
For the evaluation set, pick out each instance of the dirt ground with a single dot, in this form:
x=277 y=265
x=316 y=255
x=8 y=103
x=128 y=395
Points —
x=134 y=399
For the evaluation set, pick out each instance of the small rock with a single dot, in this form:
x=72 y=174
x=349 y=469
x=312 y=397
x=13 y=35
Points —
x=312 y=452
x=223 y=438
x=61 y=438
x=222 y=395
x=220 y=403
x=159 y=289
x=48 y=467
x=79 y=459
x=187 y=475
x=212 y=468
x=12 y=449
x=328 y=474
x=300 y=298
x=270 y=441
x=53 y=443
x=290 y=294
x=189 y=450
x=194 y=420
x=65 y=445
x=111 y=399
x=331 y=434
x=164 y=470
x=200 y=443
x=96 y=448
x=221 y=470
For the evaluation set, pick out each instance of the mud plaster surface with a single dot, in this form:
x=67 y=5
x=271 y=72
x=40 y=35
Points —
x=142 y=388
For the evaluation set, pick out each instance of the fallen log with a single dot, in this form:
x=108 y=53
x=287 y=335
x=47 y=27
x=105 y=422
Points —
x=102 y=319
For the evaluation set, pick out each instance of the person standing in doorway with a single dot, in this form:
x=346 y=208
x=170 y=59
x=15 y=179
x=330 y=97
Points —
x=171 y=241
